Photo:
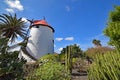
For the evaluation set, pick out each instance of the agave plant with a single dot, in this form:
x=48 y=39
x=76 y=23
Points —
x=11 y=27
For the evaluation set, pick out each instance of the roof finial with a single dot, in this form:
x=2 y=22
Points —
x=43 y=17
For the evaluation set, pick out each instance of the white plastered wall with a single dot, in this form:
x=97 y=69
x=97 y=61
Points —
x=40 y=41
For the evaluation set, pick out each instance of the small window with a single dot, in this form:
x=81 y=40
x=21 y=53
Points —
x=37 y=26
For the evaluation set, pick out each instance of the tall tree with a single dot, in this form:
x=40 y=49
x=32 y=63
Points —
x=96 y=42
x=113 y=28
x=11 y=27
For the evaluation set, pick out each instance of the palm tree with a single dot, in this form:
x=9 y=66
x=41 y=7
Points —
x=11 y=27
x=96 y=42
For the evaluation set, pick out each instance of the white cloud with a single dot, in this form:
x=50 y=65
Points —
x=24 y=19
x=9 y=10
x=59 y=39
x=14 y=4
x=67 y=8
x=26 y=22
x=69 y=38
x=78 y=44
x=60 y=49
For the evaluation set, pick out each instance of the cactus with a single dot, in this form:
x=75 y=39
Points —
x=68 y=60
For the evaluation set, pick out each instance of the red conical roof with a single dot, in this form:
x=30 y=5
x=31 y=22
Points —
x=42 y=22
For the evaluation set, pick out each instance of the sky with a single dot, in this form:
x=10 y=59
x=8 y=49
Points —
x=75 y=21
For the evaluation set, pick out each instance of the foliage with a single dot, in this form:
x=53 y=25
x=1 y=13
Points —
x=96 y=42
x=3 y=45
x=29 y=67
x=92 y=52
x=74 y=60
x=75 y=51
x=105 y=67
x=80 y=64
x=113 y=28
x=11 y=27
x=49 y=57
x=49 y=69
x=68 y=53
x=10 y=65
x=62 y=57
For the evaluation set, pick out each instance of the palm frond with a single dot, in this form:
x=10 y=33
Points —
x=11 y=26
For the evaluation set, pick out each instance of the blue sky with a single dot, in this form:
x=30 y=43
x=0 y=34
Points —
x=74 y=21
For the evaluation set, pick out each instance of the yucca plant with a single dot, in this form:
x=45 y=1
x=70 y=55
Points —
x=105 y=67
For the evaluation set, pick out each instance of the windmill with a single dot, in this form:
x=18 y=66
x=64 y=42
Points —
x=40 y=41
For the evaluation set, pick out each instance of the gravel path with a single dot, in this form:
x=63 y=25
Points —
x=78 y=76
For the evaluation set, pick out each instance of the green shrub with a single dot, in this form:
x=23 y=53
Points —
x=105 y=67
x=49 y=57
x=49 y=69
x=11 y=67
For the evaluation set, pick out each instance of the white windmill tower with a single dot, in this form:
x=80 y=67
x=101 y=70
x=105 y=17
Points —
x=40 y=42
